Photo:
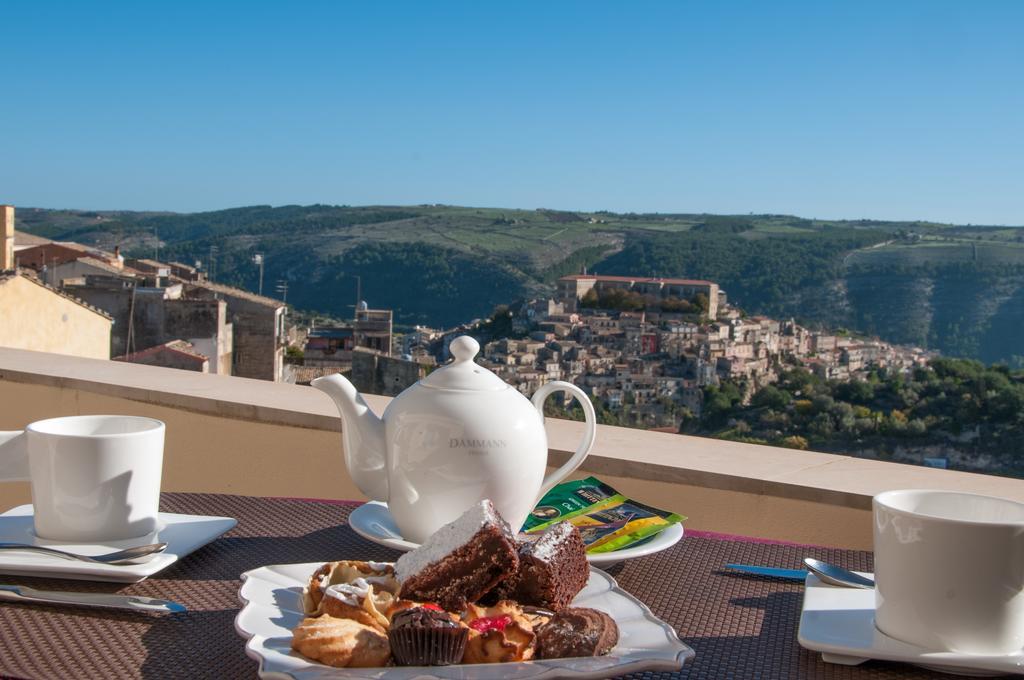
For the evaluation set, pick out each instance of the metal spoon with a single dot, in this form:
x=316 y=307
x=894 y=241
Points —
x=119 y=557
x=837 y=576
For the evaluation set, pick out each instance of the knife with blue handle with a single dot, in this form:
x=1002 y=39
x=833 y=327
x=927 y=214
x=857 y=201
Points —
x=791 y=574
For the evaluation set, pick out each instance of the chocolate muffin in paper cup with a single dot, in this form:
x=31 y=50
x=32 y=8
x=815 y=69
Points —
x=426 y=636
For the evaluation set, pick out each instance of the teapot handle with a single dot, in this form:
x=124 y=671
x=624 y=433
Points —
x=588 y=438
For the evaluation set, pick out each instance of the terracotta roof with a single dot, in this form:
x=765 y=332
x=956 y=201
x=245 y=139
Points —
x=147 y=261
x=180 y=347
x=305 y=374
x=81 y=247
x=23 y=238
x=237 y=292
x=106 y=266
x=637 y=279
x=24 y=274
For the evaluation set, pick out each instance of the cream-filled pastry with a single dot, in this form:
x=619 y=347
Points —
x=378 y=574
x=360 y=601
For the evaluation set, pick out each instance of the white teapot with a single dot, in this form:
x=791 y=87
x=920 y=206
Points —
x=456 y=437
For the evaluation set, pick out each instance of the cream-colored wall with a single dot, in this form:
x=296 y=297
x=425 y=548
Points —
x=207 y=453
x=33 y=317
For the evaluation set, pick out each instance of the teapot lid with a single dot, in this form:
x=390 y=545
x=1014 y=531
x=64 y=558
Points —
x=463 y=373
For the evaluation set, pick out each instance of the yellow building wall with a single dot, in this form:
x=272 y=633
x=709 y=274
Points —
x=36 y=318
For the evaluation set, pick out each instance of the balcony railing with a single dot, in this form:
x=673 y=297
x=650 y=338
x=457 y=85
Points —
x=241 y=436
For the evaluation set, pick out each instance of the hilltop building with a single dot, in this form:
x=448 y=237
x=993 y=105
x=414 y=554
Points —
x=259 y=332
x=329 y=346
x=373 y=329
x=332 y=346
x=362 y=351
x=148 y=316
x=58 y=260
x=572 y=289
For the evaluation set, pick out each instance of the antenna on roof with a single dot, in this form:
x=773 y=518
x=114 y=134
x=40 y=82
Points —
x=258 y=260
x=212 y=262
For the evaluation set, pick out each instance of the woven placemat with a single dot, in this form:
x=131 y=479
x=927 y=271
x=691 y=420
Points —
x=740 y=627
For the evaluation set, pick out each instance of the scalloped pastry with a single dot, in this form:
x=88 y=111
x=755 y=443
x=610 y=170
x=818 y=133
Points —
x=498 y=634
x=342 y=643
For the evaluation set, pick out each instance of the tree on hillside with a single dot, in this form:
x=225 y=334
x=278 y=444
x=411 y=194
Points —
x=771 y=397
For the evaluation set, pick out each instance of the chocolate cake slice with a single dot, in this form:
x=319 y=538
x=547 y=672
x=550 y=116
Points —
x=461 y=561
x=553 y=569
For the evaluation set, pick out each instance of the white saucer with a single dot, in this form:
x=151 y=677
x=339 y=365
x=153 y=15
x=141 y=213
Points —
x=840 y=623
x=374 y=522
x=183 y=534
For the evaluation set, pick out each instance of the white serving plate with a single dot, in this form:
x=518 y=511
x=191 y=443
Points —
x=272 y=607
x=840 y=623
x=183 y=534
x=374 y=522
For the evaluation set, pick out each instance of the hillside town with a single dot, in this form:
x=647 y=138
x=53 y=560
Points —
x=653 y=365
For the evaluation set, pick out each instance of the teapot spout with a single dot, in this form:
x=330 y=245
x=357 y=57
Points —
x=362 y=434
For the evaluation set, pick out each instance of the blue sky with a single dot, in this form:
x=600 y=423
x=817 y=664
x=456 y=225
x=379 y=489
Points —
x=901 y=110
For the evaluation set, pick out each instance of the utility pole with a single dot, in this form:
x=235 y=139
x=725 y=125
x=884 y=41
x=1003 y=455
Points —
x=156 y=245
x=258 y=259
x=213 y=262
x=359 y=294
x=130 y=344
x=282 y=288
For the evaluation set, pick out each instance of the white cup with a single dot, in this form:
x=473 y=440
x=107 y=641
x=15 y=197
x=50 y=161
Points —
x=94 y=478
x=949 y=571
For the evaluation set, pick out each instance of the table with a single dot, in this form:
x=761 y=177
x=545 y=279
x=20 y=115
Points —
x=740 y=626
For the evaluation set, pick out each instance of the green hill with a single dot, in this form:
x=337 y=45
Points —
x=956 y=288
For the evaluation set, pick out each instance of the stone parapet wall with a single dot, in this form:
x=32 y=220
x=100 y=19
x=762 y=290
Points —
x=235 y=435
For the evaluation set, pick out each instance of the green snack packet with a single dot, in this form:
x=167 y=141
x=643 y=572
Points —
x=622 y=525
x=569 y=499
x=606 y=519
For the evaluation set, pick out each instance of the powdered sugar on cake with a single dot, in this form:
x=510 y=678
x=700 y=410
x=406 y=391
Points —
x=447 y=539
x=549 y=543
